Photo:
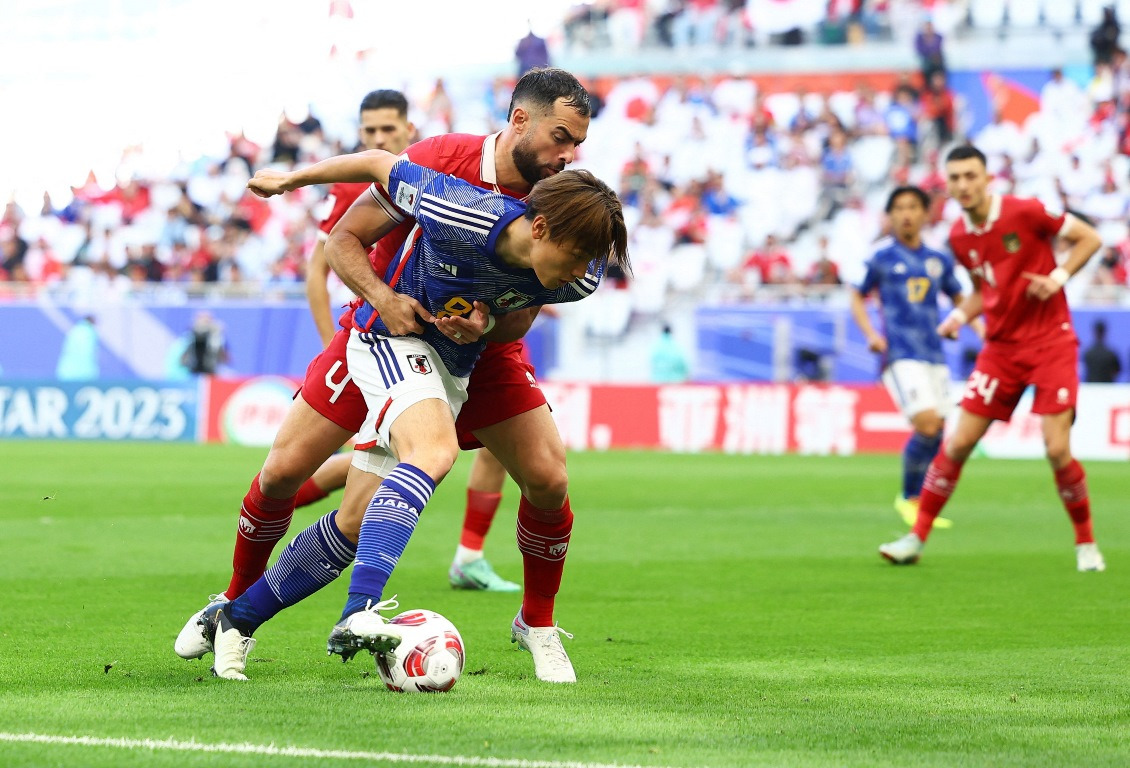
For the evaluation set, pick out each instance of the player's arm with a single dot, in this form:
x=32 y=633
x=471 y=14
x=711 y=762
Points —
x=318 y=294
x=347 y=253
x=966 y=310
x=875 y=340
x=372 y=165
x=1084 y=241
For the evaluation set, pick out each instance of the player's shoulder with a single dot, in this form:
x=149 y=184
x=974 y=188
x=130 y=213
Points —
x=882 y=248
x=446 y=148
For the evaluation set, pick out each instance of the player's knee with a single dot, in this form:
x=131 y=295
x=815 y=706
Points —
x=435 y=459
x=1058 y=453
x=281 y=478
x=547 y=487
x=931 y=429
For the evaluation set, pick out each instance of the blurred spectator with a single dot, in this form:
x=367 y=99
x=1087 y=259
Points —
x=207 y=350
x=769 y=266
x=78 y=358
x=1110 y=270
x=668 y=361
x=13 y=251
x=531 y=53
x=823 y=271
x=440 y=110
x=1104 y=37
x=836 y=176
x=1099 y=360
x=938 y=108
x=928 y=46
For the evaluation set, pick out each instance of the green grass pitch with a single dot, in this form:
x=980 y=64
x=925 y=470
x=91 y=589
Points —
x=728 y=611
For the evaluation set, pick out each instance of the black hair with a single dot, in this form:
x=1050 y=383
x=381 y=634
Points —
x=543 y=86
x=908 y=189
x=966 y=152
x=386 y=98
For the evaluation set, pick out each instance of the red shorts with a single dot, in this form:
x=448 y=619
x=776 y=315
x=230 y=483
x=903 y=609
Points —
x=502 y=385
x=1003 y=373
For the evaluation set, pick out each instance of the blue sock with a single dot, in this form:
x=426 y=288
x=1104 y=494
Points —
x=389 y=521
x=312 y=560
x=916 y=457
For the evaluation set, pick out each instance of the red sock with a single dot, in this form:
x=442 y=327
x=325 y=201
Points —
x=1072 y=484
x=481 y=507
x=308 y=494
x=941 y=479
x=543 y=538
x=262 y=522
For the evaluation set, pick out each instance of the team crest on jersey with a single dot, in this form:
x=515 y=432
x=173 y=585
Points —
x=406 y=195
x=512 y=300
x=934 y=267
x=420 y=364
x=1011 y=242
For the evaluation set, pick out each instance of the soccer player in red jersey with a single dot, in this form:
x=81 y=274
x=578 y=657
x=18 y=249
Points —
x=385 y=125
x=505 y=410
x=1006 y=244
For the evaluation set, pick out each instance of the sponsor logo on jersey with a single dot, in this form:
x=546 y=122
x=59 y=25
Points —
x=406 y=195
x=450 y=269
x=420 y=364
x=512 y=300
x=1011 y=242
x=934 y=267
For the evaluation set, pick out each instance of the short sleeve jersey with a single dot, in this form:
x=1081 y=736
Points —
x=464 y=156
x=337 y=202
x=1015 y=238
x=449 y=260
x=908 y=282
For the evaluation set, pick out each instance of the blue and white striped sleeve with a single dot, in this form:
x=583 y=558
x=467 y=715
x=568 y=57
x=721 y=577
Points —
x=448 y=208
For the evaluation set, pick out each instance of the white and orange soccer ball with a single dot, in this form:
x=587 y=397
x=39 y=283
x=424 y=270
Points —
x=429 y=658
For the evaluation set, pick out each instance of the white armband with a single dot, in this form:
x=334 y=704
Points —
x=490 y=324
x=1060 y=276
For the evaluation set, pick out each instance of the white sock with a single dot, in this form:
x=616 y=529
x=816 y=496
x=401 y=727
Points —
x=464 y=555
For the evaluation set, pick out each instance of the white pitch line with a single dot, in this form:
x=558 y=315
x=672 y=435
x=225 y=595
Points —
x=323 y=754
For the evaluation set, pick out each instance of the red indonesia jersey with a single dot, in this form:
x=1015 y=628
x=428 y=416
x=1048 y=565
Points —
x=1015 y=238
x=462 y=155
x=341 y=196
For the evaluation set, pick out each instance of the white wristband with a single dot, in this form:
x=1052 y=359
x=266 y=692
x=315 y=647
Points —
x=490 y=324
x=959 y=314
x=1060 y=276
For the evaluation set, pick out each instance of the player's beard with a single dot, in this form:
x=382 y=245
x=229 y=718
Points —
x=526 y=161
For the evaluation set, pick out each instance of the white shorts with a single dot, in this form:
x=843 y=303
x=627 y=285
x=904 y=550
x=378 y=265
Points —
x=394 y=373
x=918 y=386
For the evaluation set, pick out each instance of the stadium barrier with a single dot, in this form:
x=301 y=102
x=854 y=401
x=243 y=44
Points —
x=751 y=419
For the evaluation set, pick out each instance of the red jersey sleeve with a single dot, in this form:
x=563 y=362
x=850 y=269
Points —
x=1043 y=223
x=337 y=202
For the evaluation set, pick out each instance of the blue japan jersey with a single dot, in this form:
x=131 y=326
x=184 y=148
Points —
x=449 y=262
x=908 y=282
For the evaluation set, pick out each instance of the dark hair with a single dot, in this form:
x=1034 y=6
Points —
x=582 y=210
x=542 y=87
x=385 y=98
x=966 y=152
x=908 y=189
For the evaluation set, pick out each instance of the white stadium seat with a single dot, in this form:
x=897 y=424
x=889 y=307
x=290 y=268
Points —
x=987 y=14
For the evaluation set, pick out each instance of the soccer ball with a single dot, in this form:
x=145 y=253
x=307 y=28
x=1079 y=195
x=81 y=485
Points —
x=429 y=658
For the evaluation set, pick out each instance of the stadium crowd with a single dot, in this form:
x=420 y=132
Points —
x=734 y=193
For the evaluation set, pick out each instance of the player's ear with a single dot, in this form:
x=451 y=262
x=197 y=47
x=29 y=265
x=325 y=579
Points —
x=539 y=227
x=520 y=119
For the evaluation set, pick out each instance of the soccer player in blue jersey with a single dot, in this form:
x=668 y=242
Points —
x=474 y=257
x=908 y=276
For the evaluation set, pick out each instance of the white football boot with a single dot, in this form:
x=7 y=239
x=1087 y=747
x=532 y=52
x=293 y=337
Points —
x=1088 y=557
x=367 y=630
x=231 y=647
x=905 y=551
x=194 y=640
x=551 y=663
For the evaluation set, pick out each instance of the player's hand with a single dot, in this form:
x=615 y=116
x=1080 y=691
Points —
x=1041 y=287
x=402 y=315
x=877 y=343
x=949 y=328
x=267 y=183
x=466 y=329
